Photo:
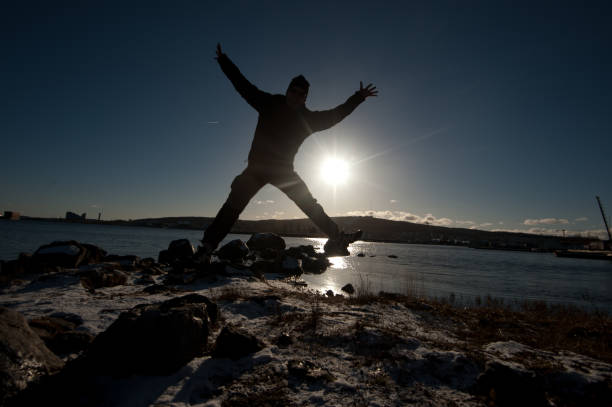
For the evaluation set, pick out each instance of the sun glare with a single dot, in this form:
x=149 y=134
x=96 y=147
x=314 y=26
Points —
x=335 y=171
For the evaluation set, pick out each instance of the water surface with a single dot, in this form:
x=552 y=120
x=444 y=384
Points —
x=430 y=270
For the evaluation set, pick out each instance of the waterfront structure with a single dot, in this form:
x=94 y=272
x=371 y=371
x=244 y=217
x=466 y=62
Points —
x=12 y=215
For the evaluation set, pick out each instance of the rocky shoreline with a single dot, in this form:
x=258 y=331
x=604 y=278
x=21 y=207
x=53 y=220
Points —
x=81 y=327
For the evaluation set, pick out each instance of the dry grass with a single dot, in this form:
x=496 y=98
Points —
x=551 y=327
x=537 y=324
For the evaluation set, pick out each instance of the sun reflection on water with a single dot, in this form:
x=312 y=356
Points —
x=337 y=262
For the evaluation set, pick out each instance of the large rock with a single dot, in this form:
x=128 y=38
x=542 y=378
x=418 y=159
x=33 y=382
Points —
x=60 y=334
x=505 y=385
x=234 y=343
x=128 y=262
x=291 y=265
x=315 y=265
x=24 y=358
x=101 y=277
x=235 y=250
x=68 y=254
x=155 y=339
x=312 y=262
x=302 y=251
x=178 y=250
x=263 y=241
x=12 y=269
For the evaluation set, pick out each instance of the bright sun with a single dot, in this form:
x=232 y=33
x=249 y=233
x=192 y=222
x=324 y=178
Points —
x=334 y=171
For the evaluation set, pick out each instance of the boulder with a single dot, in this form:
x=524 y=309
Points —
x=348 y=289
x=290 y=265
x=234 y=343
x=145 y=279
x=506 y=385
x=153 y=271
x=154 y=339
x=93 y=254
x=12 y=269
x=268 y=254
x=164 y=257
x=284 y=340
x=60 y=334
x=24 y=358
x=128 y=262
x=67 y=254
x=99 y=278
x=178 y=250
x=315 y=265
x=261 y=241
x=302 y=251
x=261 y=267
x=235 y=250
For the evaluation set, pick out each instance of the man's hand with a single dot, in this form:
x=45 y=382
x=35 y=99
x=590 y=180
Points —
x=369 y=90
x=219 y=52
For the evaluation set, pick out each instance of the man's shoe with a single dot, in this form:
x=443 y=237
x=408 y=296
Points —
x=339 y=245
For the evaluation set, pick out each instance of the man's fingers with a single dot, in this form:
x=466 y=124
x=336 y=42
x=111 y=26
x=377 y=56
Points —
x=369 y=90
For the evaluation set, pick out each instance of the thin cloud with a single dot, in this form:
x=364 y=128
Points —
x=404 y=216
x=546 y=221
x=266 y=202
x=213 y=122
x=581 y=219
x=393 y=201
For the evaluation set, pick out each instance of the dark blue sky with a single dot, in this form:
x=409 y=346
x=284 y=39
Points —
x=493 y=115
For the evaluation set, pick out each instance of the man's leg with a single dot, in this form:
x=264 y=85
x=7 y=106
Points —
x=294 y=187
x=244 y=187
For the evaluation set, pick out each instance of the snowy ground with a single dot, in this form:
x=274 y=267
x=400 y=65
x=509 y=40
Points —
x=337 y=351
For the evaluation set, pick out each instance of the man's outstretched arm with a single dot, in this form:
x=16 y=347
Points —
x=322 y=120
x=254 y=97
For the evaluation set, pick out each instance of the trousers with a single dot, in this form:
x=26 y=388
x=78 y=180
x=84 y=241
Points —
x=248 y=183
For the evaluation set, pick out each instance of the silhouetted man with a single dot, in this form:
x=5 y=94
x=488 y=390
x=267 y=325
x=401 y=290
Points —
x=283 y=125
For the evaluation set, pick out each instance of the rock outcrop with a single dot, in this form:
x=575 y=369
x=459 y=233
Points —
x=236 y=250
x=266 y=241
x=155 y=339
x=234 y=343
x=178 y=250
x=60 y=334
x=24 y=358
x=67 y=254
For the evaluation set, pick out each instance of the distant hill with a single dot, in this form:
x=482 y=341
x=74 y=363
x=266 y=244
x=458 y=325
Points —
x=376 y=229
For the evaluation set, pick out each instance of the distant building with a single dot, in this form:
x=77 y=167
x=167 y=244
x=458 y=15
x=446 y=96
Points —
x=11 y=215
x=74 y=216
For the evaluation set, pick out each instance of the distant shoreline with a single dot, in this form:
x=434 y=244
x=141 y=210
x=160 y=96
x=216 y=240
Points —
x=375 y=230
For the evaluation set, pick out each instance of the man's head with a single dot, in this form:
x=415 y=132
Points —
x=297 y=92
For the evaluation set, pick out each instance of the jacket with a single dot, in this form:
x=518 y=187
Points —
x=280 y=129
